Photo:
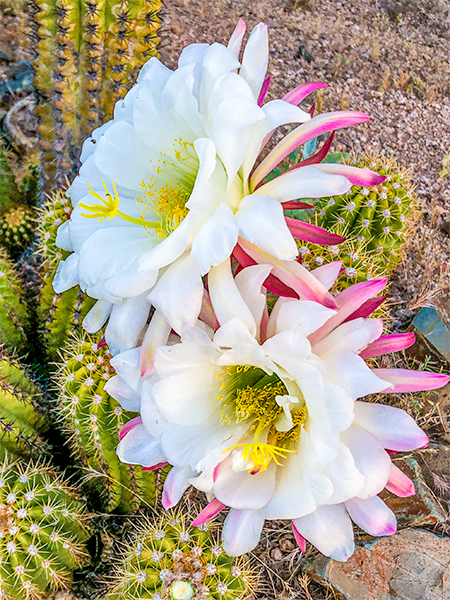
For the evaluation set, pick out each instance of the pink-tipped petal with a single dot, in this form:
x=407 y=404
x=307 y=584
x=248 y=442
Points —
x=176 y=483
x=156 y=335
x=312 y=233
x=327 y=274
x=235 y=43
x=300 y=92
x=129 y=426
x=349 y=301
x=293 y=275
x=264 y=90
x=207 y=312
x=323 y=123
x=155 y=467
x=355 y=175
x=294 y=205
x=372 y=515
x=386 y=344
x=301 y=542
x=399 y=484
x=366 y=309
x=405 y=380
x=318 y=156
x=102 y=343
x=208 y=513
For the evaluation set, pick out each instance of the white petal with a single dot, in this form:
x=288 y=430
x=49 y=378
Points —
x=261 y=221
x=372 y=515
x=96 y=317
x=350 y=372
x=305 y=182
x=304 y=316
x=241 y=531
x=330 y=530
x=126 y=365
x=391 y=426
x=370 y=459
x=256 y=58
x=216 y=239
x=166 y=251
x=177 y=358
x=354 y=336
x=210 y=182
x=126 y=323
x=90 y=142
x=63 y=237
x=346 y=479
x=176 y=483
x=287 y=346
x=138 y=447
x=235 y=43
x=155 y=72
x=178 y=294
x=66 y=275
x=118 y=389
x=249 y=283
x=130 y=282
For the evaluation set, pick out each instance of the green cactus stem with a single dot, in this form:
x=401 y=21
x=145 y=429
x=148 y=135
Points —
x=170 y=559
x=43 y=530
x=13 y=311
x=61 y=314
x=17 y=225
x=93 y=419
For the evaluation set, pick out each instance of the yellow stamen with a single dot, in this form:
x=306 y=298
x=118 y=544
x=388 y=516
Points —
x=261 y=454
x=110 y=208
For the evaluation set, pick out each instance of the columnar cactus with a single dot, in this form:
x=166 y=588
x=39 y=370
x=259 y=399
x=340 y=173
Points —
x=377 y=216
x=93 y=419
x=7 y=183
x=17 y=225
x=86 y=52
x=170 y=559
x=42 y=531
x=61 y=314
x=13 y=311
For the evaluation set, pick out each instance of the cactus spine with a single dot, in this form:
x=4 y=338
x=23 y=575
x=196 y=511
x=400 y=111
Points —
x=169 y=559
x=42 y=531
x=93 y=419
x=13 y=311
x=61 y=314
x=17 y=226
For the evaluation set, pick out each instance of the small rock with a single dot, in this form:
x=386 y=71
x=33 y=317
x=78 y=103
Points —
x=432 y=335
x=276 y=554
x=411 y=565
x=286 y=545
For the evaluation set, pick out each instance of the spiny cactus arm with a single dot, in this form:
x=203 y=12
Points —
x=8 y=188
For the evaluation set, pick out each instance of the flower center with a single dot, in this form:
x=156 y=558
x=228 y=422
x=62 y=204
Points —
x=251 y=395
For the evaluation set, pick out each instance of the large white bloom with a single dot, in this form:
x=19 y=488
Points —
x=166 y=187
x=263 y=415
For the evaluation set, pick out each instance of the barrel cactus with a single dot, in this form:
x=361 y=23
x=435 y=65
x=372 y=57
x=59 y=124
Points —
x=43 y=529
x=93 y=419
x=13 y=311
x=17 y=225
x=170 y=559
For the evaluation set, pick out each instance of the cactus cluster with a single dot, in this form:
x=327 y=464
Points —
x=86 y=53
x=93 y=419
x=61 y=314
x=20 y=421
x=13 y=312
x=170 y=559
x=42 y=530
x=377 y=217
x=17 y=226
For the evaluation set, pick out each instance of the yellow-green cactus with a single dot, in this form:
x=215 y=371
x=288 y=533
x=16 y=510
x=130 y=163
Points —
x=17 y=225
x=13 y=311
x=20 y=422
x=61 y=314
x=170 y=559
x=93 y=419
x=43 y=529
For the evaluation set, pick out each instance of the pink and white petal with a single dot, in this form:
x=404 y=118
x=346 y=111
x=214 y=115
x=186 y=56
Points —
x=372 y=515
x=216 y=239
x=301 y=542
x=176 y=483
x=226 y=299
x=399 y=484
x=66 y=275
x=352 y=336
x=292 y=274
x=138 y=447
x=208 y=513
x=118 y=389
x=371 y=460
x=355 y=175
x=128 y=427
x=166 y=251
x=126 y=323
x=264 y=89
x=249 y=283
x=330 y=530
x=327 y=274
x=306 y=182
x=388 y=343
x=392 y=427
x=178 y=294
x=350 y=372
x=235 y=43
x=303 y=316
x=299 y=93
x=156 y=335
x=241 y=531
x=97 y=316
x=256 y=58
x=311 y=233
x=404 y=380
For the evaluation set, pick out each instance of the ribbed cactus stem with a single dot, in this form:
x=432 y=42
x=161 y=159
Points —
x=13 y=310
